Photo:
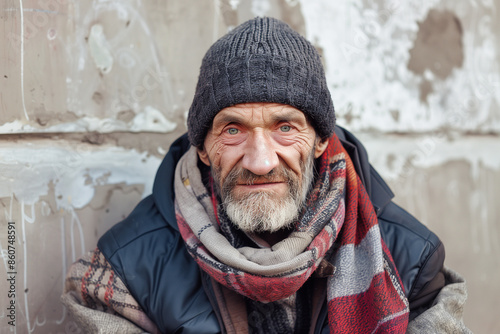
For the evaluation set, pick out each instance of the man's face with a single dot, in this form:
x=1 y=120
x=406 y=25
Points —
x=262 y=157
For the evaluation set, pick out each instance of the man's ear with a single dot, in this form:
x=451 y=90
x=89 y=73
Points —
x=321 y=146
x=202 y=153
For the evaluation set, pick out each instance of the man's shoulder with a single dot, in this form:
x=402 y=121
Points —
x=155 y=213
x=141 y=241
x=418 y=254
x=143 y=223
x=150 y=257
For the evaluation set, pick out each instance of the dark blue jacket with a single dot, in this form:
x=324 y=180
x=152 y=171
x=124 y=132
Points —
x=148 y=253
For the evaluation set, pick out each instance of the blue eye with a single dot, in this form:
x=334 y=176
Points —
x=232 y=131
x=285 y=128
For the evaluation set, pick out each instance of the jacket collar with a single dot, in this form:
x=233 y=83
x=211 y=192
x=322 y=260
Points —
x=379 y=192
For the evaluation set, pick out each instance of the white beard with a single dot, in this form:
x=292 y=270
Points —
x=263 y=211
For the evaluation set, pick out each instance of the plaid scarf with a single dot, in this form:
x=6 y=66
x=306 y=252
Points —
x=338 y=225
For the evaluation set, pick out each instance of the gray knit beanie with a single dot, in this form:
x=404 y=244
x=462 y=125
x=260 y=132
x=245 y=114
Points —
x=261 y=60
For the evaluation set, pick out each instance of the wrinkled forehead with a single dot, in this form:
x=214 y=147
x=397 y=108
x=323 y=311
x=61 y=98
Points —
x=260 y=111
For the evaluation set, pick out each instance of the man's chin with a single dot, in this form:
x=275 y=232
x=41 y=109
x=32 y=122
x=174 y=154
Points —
x=261 y=211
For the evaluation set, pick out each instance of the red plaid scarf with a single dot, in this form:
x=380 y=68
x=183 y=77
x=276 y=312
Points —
x=365 y=294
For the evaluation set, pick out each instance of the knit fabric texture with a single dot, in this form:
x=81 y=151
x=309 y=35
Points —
x=262 y=60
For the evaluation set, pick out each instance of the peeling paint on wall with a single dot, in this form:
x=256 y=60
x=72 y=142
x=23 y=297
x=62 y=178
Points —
x=438 y=48
x=99 y=49
x=438 y=45
x=148 y=120
x=62 y=197
x=73 y=172
x=373 y=42
x=104 y=63
x=405 y=154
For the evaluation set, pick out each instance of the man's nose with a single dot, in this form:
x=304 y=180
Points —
x=260 y=156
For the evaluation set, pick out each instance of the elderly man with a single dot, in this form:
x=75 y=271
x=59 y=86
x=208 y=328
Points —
x=266 y=218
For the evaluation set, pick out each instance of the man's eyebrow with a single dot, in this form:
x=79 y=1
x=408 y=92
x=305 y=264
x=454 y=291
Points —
x=281 y=116
x=228 y=118
x=289 y=116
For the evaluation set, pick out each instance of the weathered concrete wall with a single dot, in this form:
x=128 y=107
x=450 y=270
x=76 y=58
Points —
x=93 y=92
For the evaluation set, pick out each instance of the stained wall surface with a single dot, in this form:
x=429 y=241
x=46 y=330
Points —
x=92 y=93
